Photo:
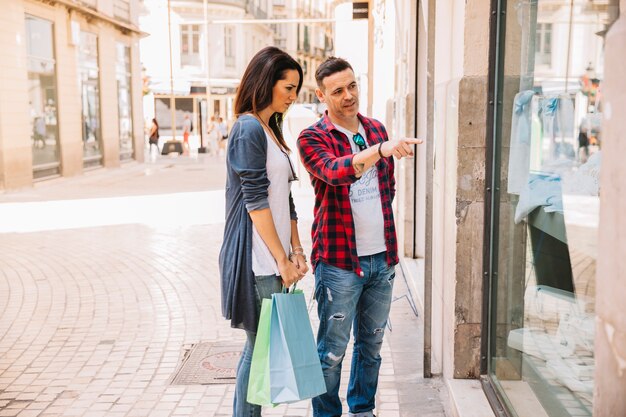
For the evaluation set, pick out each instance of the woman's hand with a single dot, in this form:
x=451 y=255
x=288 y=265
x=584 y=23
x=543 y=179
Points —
x=289 y=272
x=300 y=261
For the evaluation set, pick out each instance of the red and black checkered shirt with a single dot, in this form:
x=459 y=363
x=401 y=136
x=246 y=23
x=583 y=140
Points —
x=327 y=155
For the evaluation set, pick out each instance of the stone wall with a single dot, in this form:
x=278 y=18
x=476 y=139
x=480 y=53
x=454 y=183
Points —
x=610 y=343
x=16 y=155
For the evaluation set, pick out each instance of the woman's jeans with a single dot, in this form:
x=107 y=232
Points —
x=266 y=285
x=343 y=300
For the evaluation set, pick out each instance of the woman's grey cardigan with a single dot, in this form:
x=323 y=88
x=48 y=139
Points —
x=246 y=190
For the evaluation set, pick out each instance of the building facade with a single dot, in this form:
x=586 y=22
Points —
x=70 y=90
x=207 y=59
x=215 y=55
x=505 y=232
x=309 y=41
x=210 y=50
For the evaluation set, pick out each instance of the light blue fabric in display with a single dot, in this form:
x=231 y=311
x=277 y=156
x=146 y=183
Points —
x=519 y=157
x=542 y=190
x=295 y=369
x=557 y=114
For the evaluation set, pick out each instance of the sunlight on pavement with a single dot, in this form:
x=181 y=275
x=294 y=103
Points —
x=158 y=211
x=161 y=211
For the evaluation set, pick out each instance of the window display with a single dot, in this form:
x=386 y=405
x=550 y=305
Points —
x=124 y=108
x=549 y=141
x=90 y=94
x=42 y=96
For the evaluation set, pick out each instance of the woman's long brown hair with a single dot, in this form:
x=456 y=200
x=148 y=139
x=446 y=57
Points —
x=254 y=94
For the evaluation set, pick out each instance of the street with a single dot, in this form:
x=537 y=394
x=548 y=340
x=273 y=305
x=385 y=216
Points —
x=110 y=279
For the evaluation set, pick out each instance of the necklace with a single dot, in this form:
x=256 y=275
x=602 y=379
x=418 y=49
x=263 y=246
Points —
x=269 y=129
x=293 y=176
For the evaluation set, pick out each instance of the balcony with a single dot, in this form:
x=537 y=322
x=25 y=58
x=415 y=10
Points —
x=235 y=3
x=92 y=4
x=319 y=52
x=280 y=43
x=121 y=9
x=255 y=11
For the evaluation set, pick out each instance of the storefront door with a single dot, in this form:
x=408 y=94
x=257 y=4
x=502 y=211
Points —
x=42 y=97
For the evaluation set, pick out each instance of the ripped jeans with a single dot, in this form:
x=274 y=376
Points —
x=344 y=299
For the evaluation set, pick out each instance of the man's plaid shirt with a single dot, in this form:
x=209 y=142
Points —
x=327 y=155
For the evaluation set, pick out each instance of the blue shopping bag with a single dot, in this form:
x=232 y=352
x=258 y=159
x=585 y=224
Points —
x=295 y=369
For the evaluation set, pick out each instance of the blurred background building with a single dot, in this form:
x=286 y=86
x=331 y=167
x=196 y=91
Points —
x=70 y=88
x=211 y=48
x=310 y=42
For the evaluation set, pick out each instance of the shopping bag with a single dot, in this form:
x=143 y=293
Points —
x=259 y=382
x=295 y=369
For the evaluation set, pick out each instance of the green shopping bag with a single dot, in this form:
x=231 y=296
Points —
x=259 y=382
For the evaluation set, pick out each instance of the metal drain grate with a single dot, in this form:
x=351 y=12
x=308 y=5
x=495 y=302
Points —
x=209 y=363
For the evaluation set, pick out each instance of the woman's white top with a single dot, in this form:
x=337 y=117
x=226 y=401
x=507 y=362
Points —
x=278 y=173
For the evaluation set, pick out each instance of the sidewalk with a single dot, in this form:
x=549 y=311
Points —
x=108 y=278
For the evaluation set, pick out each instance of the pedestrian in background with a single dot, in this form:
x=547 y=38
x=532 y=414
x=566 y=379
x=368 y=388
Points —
x=261 y=250
x=187 y=128
x=223 y=129
x=583 y=145
x=213 y=136
x=153 y=138
x=348 y=157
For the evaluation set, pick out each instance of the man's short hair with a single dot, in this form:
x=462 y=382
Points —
x=329 y=67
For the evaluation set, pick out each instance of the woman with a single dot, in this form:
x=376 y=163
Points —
x=261 y=222
x=212 y=137
x=153 y=136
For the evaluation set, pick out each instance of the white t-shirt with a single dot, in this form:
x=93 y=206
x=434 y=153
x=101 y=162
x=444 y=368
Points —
x=278 y=173
x=223 y=129
x=367 y=209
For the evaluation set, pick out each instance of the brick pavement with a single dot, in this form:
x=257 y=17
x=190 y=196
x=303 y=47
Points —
x=95 y=314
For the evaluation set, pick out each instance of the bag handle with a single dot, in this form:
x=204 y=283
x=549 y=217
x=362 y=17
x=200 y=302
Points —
x=286 y=290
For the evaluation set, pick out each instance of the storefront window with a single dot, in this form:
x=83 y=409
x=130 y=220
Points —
x=90 y=94
x=163 y=111
x=548 y=152
x=42 y=96
x=124 y=108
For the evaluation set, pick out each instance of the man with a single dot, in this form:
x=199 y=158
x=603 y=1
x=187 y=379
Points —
x=222 y=128
x=348 y=157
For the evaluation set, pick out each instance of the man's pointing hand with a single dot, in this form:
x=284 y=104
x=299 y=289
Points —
x=399 y=148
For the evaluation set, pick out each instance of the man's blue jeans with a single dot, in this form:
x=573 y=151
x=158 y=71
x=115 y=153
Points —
x=266 y=285
x=344 y=299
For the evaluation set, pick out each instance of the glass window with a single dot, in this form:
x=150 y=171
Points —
x=548 y=146
x=124 y=103
x=90 y=97
x=190 y=44
x=229 y=46
x=42 y=97
x=543 y=50
x=307 y=44
x=163 y=109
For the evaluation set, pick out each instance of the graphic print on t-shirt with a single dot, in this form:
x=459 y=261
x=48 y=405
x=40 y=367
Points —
x=367 y=210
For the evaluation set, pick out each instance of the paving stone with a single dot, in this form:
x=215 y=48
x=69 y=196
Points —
x=96 y=315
